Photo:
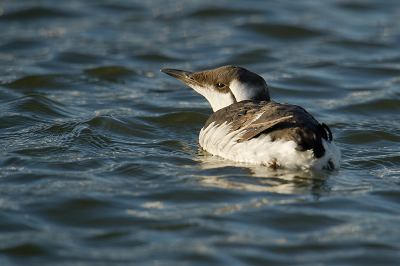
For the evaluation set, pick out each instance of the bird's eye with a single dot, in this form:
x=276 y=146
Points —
x=220 y=85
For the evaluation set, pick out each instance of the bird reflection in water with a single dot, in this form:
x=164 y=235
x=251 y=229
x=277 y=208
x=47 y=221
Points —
x=263 y=179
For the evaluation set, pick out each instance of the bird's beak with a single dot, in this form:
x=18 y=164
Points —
x=182 y=75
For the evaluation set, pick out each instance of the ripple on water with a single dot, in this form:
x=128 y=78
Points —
x=27 y=250
x=380 y=106
x=282 y=31
x=112 y=73
x=22 y=45
x=38 y=82
x=178 y=119
x=356 y=6
x=37 y=13
x=218 y=13
x=156 y=57
x=38 y=105
x=78 y=58
x=125 y=7
x=254 y=56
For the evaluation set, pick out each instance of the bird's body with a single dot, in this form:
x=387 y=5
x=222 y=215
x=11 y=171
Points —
x=247 y=127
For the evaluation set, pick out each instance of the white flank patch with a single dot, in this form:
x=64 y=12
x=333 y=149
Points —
x=244 y=91
x=218 y=141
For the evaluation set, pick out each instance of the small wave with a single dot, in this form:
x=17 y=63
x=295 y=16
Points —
x=111 y=73
x=369 y=105
x=281 y=31
x=156 y=57
x=18 y=121
x=37 y=13
x=224 y=12
x=36 y=81
x=22 y=45
x=173 y=119
x=77 y=58
x=121 y=129
x=122 y=7
x=357 y=6
x=254 y=56
x=38 y=105
x=25 y=250
x=130 y=169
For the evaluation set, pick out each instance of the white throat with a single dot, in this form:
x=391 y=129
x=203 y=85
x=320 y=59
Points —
x=216 y=99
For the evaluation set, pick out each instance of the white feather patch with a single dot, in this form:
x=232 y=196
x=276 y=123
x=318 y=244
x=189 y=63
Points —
x=218 y=141
x=244 y=91
x=216 y=98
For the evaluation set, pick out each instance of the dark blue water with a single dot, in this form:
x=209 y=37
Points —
x=99 y=155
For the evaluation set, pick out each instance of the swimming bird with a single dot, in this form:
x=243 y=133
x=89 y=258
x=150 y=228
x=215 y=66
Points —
x=248 y=127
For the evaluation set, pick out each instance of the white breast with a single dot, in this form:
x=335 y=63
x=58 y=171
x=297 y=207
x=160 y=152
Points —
x=217 y=140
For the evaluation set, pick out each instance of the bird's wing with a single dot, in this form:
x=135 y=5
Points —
x=256 y=129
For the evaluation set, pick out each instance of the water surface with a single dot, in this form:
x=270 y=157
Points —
x=99 y=155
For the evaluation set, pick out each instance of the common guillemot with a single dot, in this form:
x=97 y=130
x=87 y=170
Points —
x=247 y=126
